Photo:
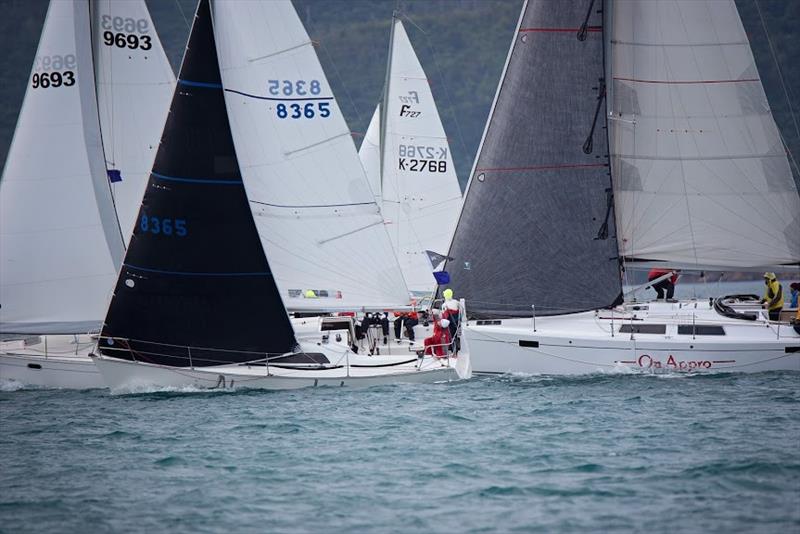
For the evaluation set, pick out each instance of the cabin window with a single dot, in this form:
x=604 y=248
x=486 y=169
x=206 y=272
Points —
x=643 y=329
x=700 y=330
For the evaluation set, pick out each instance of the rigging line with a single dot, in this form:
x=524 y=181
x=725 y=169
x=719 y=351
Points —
x=319 y=44
x=778 y=66
x=449 y=98
x=183 y=15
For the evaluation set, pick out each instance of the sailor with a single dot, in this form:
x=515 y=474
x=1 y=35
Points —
x=383 y=320
x=796 y=321
x=668 y=284
x=773 y=296
x=407 y=320
x=450 y=311
x=795 y=293
x=436 y=345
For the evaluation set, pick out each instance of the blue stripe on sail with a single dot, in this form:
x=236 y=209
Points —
x=279 y=98
x=183 y=273
x=195 y=180
x=207 y=85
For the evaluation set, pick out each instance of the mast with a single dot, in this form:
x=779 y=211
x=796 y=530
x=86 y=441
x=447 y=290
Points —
x=385 y=99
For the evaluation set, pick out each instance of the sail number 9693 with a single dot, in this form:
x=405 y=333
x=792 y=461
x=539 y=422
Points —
x=162 y=225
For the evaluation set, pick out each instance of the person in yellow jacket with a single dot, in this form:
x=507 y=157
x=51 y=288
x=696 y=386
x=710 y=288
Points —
x=773 y=296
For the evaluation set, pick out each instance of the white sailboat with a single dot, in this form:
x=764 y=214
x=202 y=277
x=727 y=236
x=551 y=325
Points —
x=407 y=158
x=256 y=203
x=683 y=167
x=75 y=172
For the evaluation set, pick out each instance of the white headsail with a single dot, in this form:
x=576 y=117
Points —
x=61 y=241
x=134 y=88
x=318 y=220
x=420 y=195
x=700 y=173
x=370 y=154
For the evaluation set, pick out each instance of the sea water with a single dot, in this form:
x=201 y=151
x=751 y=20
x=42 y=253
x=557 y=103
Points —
x=601 y=453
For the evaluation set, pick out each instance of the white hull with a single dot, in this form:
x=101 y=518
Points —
x=64 y=364
x=582 y=343
x=128 y=376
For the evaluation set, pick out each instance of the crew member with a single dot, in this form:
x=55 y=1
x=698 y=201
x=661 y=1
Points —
x=436 y=345
x=795 y=292
x=407 y=320
x=667 y=284
x=773 y=296
x=450 y=311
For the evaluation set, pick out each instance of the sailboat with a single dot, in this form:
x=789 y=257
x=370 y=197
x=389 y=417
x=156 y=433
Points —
x=198 y=302
x=631 y=134
x=75 y=173
x=407 y=158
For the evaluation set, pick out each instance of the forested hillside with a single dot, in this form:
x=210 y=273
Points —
x=462 y=45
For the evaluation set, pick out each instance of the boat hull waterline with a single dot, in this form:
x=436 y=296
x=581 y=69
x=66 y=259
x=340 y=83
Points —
x=128 y=376
x=582 y=344
x=62 y=362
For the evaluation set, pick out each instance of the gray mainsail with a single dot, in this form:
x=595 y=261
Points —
x=537 y=225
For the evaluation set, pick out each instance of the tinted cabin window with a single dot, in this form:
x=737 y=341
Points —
x=643 y=329
x=701 y=330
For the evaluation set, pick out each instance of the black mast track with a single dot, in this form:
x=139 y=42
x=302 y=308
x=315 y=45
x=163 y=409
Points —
x=532 y=169
x=196 y=288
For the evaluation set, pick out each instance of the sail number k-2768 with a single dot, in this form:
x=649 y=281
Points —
x=420 y=158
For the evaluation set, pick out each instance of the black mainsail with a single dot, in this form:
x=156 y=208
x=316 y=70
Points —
x=537 y=225
x=195 y=287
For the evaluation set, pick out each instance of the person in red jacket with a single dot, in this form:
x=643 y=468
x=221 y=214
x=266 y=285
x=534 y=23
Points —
x=667 y=285
x=436 y=345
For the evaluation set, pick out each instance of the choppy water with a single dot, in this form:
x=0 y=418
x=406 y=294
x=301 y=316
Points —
x=600 y=453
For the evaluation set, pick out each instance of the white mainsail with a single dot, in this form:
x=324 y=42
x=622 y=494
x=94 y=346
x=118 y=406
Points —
x=420 y=195
x=700 y=173
x=134 y=88
x=61 y=242
x=318 y=220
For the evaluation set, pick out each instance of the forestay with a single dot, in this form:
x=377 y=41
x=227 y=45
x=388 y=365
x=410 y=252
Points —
x=134 y=87
x=421 y=197
x=196 y=288
x=701 y=175
x=537 y=225
x=318 y=220
x=60 y=242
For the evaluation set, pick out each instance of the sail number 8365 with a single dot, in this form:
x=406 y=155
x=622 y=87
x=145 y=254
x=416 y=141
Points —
x=162 y=225
x=309 y=110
